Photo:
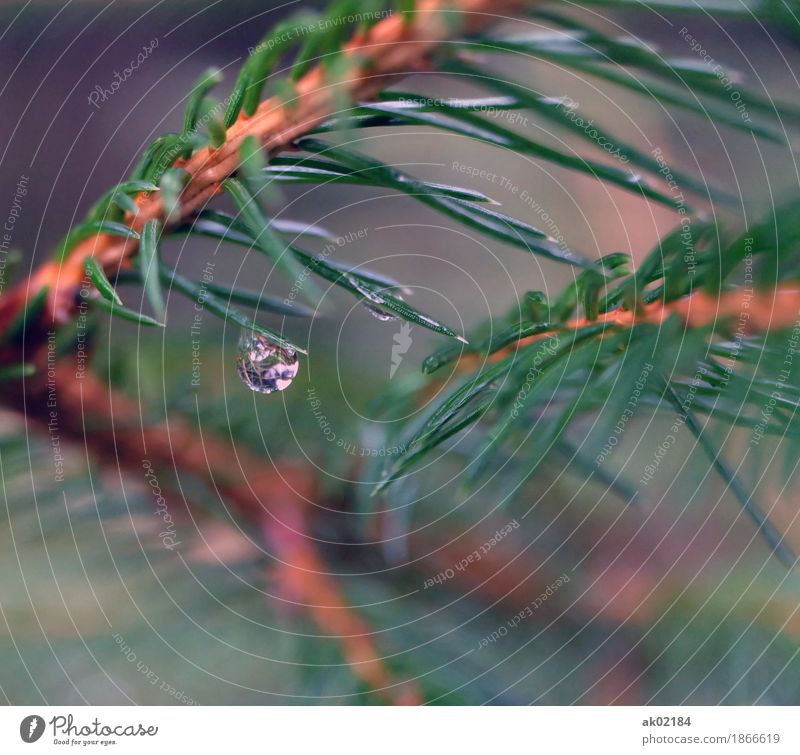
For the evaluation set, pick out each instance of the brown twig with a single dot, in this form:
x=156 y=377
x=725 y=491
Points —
x=758 y=310
x=276 y=501
x=394 y=46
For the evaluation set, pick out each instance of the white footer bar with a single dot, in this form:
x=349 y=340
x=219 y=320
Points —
x=401 y=731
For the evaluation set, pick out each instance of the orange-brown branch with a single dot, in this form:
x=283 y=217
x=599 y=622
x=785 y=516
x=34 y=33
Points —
x=111 y=425
x=750 y=311
x=276 y=501
x=392 y=47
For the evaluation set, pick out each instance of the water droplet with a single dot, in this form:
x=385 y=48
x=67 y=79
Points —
x=379 y=313
x=372 y=301
x=263 y=366
x=365 y=291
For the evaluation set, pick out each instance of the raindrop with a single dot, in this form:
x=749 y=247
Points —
x=364 y=290
x=379 y=313
x=263 y=366
x=372 y=301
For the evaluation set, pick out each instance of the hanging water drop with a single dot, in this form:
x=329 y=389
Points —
x=379 y=313
x=372 y=301
x=263 y=366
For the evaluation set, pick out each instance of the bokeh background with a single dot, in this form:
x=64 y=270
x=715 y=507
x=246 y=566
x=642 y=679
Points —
x=672 y=599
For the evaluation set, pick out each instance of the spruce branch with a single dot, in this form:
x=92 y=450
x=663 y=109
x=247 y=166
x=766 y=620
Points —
x=608 y=312
x=396 y=45
x=271 y=502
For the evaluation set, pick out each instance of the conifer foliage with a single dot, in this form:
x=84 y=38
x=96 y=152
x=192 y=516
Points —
x=698 y=333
